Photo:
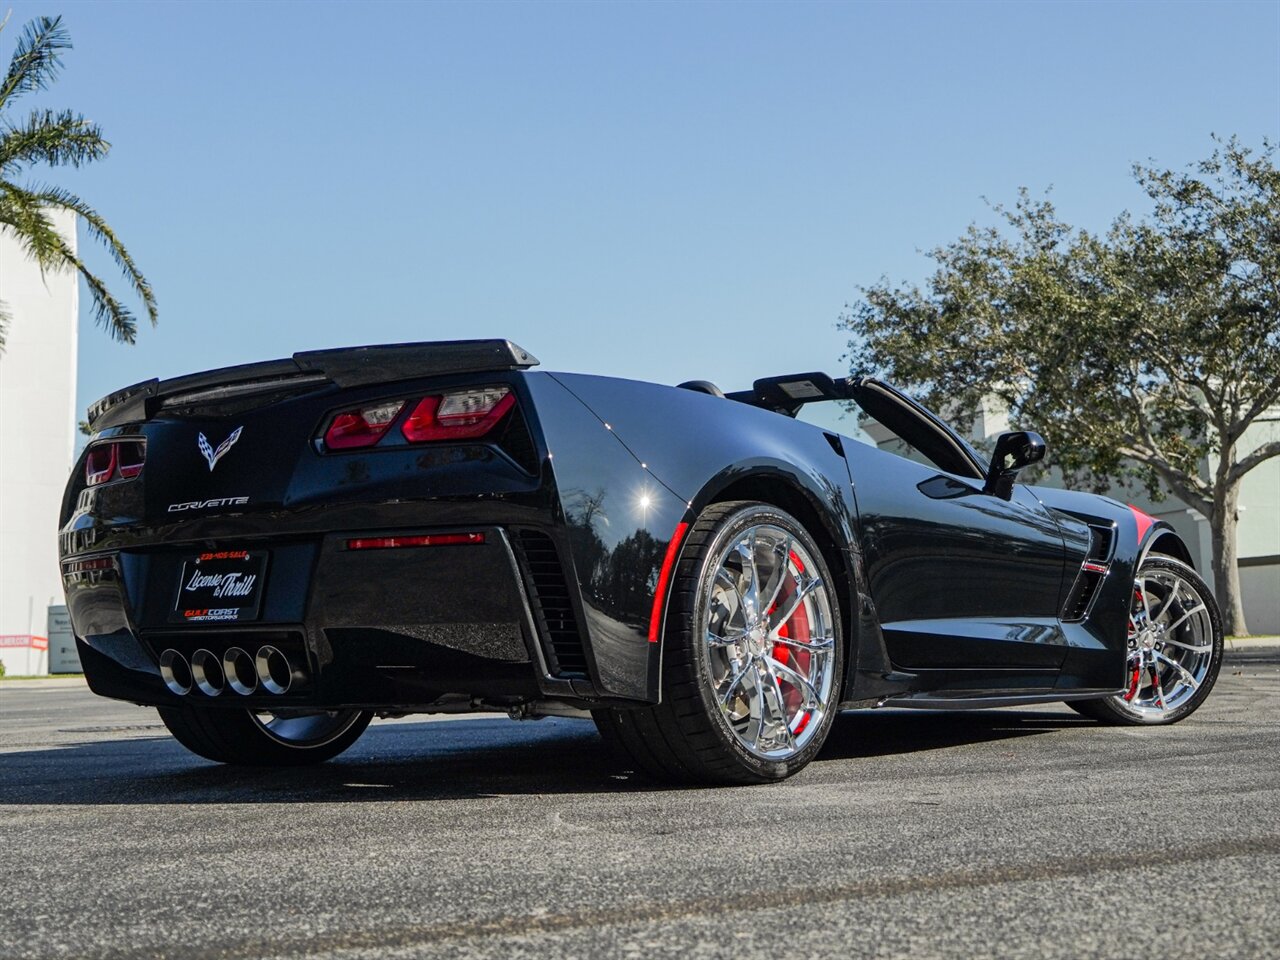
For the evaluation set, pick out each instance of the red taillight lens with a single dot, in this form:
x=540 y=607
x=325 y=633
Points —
x=114 y=460
x=130 y=455
x=459 y=415
x=362 y=427
x=100 y=464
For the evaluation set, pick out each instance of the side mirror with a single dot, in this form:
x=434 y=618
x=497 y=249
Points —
x=1013 y=452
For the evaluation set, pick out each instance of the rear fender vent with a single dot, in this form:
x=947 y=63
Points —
x=516 y=443
x=553 y=605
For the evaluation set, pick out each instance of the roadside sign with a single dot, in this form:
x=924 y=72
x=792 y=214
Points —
x=63 y=656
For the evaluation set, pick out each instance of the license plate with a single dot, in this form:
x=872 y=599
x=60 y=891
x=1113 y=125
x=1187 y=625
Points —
x=221 y=586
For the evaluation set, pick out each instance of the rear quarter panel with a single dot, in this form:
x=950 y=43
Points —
x=635 y=459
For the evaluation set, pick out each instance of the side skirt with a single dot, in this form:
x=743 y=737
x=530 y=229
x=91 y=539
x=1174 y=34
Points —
x=985 y=701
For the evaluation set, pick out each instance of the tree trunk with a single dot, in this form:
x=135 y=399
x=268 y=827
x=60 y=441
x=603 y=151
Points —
x=1226 y=570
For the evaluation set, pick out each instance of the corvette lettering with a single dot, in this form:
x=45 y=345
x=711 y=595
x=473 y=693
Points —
x=206 y=504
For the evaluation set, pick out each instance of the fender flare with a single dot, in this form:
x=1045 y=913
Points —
x=1152 y=531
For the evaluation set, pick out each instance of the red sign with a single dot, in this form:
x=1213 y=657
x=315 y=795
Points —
x=24 y=640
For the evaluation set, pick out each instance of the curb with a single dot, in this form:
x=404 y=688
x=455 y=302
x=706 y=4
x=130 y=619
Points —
x=44 y=683
x=1251 y=643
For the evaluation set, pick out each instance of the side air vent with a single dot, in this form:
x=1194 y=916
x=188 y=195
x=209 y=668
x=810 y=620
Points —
x=553 y=606
x=1082 y=593
x=1092 y=572
x=1101 y=542
x=516 y=442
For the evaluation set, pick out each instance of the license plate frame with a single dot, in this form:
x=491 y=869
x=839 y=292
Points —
x=220 y=586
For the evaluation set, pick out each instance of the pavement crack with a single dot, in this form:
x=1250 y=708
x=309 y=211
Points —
x=526 y=924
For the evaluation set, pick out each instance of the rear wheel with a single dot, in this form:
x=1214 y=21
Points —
x=265 y=739
x=752 y=656
x=1175 y=648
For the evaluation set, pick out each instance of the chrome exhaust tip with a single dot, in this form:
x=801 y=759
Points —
x=206 y=670
x=274 y=670
x=175 y=672
x=237 y=667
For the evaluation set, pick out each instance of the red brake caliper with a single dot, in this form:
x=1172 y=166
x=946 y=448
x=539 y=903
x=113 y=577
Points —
x=1135 y=680
x=797 y=628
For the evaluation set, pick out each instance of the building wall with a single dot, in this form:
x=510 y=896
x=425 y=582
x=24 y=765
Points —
x=1258 y=539
x=1259 y=532
x=37 y=438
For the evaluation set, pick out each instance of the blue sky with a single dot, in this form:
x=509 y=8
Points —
x=657 y=191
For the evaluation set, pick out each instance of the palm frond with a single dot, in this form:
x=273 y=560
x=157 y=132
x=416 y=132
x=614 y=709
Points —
x=23 y=216
x=101 y=231
x=50 y=137
x=36 y=57
x=23 y=212
x=108 y=312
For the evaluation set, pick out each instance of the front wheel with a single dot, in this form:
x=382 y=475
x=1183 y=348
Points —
x=752 y=655
x=1174 y=648
x=265 y=739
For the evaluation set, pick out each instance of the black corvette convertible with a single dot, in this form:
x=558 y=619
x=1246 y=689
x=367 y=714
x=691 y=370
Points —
x=275 y=553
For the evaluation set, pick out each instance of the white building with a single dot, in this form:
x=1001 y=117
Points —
x=37 y=443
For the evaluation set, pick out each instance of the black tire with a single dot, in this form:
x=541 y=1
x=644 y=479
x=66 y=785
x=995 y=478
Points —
x=1113 y=711
x=237 y=737
x=686 y=737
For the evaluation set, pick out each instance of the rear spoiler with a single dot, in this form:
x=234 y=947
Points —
x=345 y=367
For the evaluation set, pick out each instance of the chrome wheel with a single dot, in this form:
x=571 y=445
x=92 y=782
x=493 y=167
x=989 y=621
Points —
x=305 y=729
x=1171 y=644
x=769 y=641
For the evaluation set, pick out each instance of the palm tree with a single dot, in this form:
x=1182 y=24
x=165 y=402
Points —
x=56 y=137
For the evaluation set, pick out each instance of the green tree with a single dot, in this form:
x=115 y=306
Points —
x=55 y=138
x=1143 y=354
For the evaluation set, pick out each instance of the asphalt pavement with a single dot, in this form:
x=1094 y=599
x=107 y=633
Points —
x=1022 y=833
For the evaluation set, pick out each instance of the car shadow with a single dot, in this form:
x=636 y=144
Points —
x=881 y=733
x=442 y=761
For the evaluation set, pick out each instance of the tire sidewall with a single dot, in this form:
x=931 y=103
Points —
x=1215 y=661
x=695 y=631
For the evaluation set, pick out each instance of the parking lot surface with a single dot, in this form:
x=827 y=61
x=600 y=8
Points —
x=1023 y=833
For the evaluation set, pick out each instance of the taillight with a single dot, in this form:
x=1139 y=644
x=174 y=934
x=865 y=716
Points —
x=459 y=415
x=362 y=427
x=114 y=460
x=455 y=415
x=130 y=456
x=100 y=464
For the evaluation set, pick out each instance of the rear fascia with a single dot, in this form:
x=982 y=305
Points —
x=303 y=503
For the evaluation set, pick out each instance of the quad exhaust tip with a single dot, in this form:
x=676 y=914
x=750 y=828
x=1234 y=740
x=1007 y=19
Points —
x=175 y=672
x=237 y=668
x=273 y=669
x=206 y=669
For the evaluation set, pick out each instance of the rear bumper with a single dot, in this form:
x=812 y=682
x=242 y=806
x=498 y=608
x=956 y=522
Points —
x=492 y=623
